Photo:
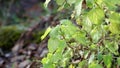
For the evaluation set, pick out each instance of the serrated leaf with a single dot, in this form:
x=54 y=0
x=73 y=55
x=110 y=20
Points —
x=96 y=15
x=107 y=60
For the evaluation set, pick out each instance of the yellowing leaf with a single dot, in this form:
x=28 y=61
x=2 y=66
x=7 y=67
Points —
x=46 y=33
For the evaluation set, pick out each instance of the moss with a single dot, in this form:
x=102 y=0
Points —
x=10 y=34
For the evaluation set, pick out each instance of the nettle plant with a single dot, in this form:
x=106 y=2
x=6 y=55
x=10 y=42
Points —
x=90 y=39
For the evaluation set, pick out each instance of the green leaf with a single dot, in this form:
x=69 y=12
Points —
x=112 y=47
x=57 y=55
x=90 y=3
x=46 y=33
x=107 y=60
x=78 y=7
x=61 y=7
x=46 y=3
x=68 y=53
x=60 y=2
x=47 y=59
x=95 y=65
x=118 y=61
x=114 y=26
x=99 y=56
x=80 y=37
x=67 y=28
x=54 y=44
x=111 y=4
x=71 y=1
x=96 y=15
x=99 y=2
x=55 y=32
x=65 y=22
x=96 y=34
x=49 y=65
x=93 y=46
x=82 y=64
x=87 y=25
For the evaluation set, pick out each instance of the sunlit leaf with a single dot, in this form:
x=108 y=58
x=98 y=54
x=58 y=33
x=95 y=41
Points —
x=107 y=60
x=60 y=2
x=71 y=1
x=96 y=34
x=53 y=44
x=114 y=26
x=95 y=65
x=87 y=25
x=78 y=7
x=71 y=66
x=111 y=4
x=55 y=32
x=46 y=33
x=96 y=15
x=112 y=46
x=80 y=37
x=46 y=3
x=68 y=28
x=90 y=3
x=82 y=64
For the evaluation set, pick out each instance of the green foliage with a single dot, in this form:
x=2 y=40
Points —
x=90 y=39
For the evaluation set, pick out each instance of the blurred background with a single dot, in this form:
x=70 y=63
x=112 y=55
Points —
x=22 y=23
